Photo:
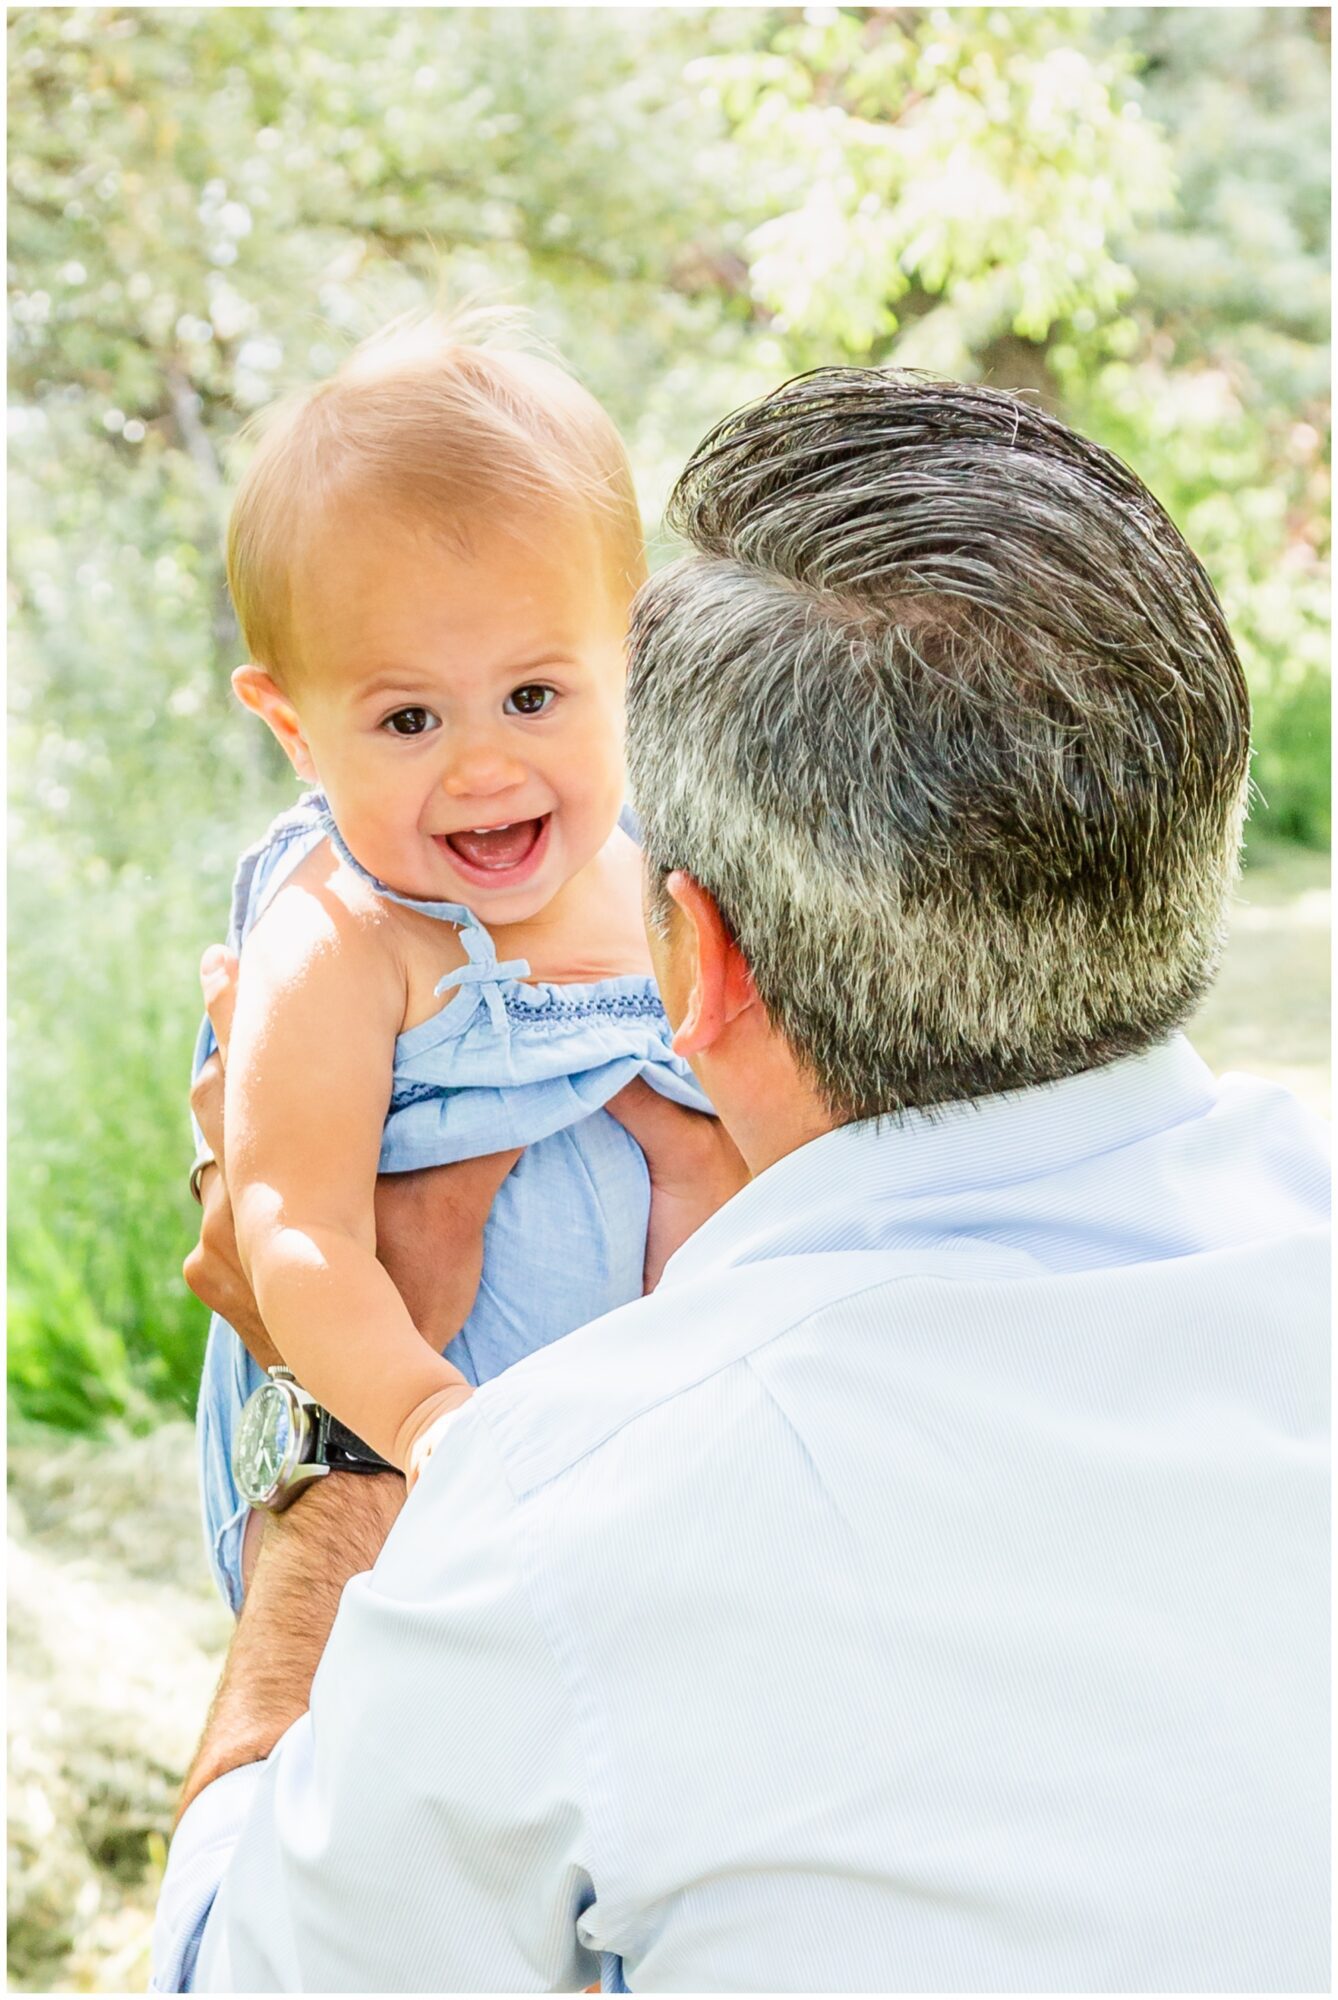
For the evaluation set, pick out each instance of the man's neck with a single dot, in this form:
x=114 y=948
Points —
x=768 y=1106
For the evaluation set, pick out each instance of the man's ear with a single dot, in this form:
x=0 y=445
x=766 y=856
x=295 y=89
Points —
x=722 y=986
x=264 y=697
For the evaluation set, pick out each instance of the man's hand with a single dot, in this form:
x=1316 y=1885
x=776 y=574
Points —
x=694 y=1168
x=429 y=1225
x=213 y=1269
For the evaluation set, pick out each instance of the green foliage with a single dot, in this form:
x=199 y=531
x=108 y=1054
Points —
x=102 y=966
x=66 y=1366
x=1222 y=400
x=1123 y=211
x=946 y=177
x=1251 y=496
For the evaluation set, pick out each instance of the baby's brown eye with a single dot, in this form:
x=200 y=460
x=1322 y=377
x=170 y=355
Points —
x=530 y=700
x=410 y=721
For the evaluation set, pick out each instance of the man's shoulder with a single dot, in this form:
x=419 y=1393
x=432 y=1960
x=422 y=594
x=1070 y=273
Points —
x=558 y=1405
x=1256 y=1105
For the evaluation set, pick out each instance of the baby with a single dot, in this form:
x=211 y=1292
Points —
x=432 y=558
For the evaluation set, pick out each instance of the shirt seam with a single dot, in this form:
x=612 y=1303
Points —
x=721 y=1367
x=595 y=1782
x=764 y=1389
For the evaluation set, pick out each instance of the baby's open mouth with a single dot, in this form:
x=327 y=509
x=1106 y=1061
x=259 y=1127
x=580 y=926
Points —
x=496 y=848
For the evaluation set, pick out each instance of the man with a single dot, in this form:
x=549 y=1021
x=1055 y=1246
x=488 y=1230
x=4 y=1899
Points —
x=925 y=1587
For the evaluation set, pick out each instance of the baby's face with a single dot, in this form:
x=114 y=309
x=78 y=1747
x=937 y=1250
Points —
x=463 y=713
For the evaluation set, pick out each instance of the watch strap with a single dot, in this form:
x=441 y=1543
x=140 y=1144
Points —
x=344 y=1451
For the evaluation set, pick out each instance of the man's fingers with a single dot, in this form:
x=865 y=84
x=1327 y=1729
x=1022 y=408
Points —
x=218 y=982
x=213 y=1272
x=637 y=1092
x=656 y=1123
x=638 y=1107
x=206 y=1101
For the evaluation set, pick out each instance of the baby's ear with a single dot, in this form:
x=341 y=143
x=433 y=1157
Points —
x=264 y=697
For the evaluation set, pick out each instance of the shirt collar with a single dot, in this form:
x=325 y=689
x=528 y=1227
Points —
x=986 y=1142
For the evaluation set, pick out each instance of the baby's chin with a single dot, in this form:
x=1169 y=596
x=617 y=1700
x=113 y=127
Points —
x=504 y=880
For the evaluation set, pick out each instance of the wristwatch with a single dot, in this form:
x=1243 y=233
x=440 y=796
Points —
x=285 y=1440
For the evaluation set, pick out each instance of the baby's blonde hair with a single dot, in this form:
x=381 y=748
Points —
x=440 y=429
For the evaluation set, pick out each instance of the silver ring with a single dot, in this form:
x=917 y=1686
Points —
x=204 y=1158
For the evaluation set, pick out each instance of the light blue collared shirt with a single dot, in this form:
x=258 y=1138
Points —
x=926 y=1589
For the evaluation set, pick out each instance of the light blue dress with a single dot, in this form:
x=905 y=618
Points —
x=503 y=1064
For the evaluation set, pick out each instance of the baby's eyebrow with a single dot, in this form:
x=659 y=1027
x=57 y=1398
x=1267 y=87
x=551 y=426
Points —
x=414 y=685
x=391 y=682
x=516 y=671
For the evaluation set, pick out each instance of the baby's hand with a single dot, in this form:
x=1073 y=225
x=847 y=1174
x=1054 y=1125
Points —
x=424 y=1427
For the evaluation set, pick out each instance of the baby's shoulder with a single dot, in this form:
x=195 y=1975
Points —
x=325 y=913
x=324 y=890
x=323 y=907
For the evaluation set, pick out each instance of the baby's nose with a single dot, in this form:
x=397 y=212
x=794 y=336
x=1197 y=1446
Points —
x=479 y=770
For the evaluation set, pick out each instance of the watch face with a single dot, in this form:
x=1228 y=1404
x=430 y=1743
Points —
x=262 y=1444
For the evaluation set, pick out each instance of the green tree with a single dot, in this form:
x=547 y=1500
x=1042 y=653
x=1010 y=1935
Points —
x=1123 y=211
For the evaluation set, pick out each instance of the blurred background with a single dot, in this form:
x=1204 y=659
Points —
x=1123 y=212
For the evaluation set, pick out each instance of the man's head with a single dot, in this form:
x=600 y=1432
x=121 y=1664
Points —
x=432 y=557
x=944 y=717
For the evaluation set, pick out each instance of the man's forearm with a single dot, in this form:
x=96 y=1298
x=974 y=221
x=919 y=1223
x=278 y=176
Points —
x=307 y=1555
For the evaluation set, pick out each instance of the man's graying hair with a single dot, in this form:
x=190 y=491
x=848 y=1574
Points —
x=945 y=715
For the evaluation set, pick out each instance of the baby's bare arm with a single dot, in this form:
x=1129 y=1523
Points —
x=320 y=1000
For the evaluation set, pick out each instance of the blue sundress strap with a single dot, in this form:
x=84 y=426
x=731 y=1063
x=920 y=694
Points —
x=483 y=971
x=449 y=913
x=477 y=975
x=486 y=979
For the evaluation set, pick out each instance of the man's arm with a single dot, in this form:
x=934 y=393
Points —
x=307 y=1555
x=423 y=1826
x=234 y=1808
